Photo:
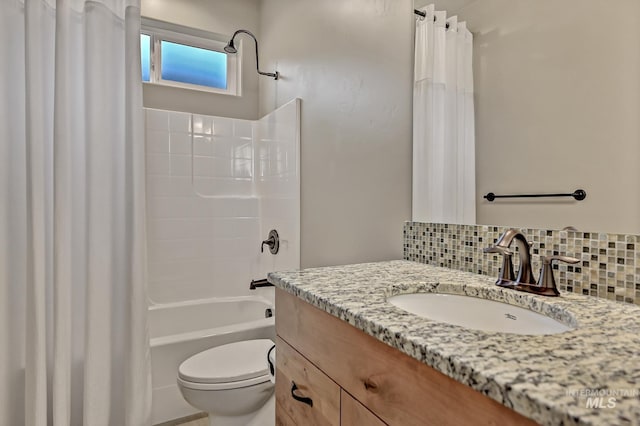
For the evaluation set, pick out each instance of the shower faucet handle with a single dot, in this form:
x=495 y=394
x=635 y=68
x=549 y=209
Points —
x=273 y=242
x=270 y=242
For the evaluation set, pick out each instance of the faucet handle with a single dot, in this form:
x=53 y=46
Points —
x=565 y=259
x=507 y=276
x=547 y=282
x=499 y=250
x=273 y=242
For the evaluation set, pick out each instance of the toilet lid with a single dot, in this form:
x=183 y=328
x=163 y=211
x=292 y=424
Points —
x=228 y=363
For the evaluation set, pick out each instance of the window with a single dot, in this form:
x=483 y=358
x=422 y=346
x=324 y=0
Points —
x=145 y=53
x=184 y=57
x=193 y=65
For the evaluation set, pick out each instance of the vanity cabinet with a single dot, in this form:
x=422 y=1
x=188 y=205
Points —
x=351 y=378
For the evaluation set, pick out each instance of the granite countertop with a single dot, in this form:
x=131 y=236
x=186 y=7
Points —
x=546 y=378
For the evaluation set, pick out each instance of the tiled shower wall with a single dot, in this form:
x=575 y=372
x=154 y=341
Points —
x=278 y=184
x=609 y=263
x=209 y=180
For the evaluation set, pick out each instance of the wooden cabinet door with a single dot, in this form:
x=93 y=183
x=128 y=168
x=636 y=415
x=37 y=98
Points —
x=305 y=396
x=352 y=413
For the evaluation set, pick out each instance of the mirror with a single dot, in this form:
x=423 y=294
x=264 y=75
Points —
x=557 y=96
x=557 y=108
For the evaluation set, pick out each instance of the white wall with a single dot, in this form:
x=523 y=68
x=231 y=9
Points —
x=215 y=186
x=557 y=104
x=351 y=63
x=222 y=17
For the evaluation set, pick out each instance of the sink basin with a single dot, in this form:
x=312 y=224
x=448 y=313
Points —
x=477 y=314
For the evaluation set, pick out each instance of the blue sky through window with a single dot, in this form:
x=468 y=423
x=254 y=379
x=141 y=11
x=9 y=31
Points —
x=192 y=65
x=145 y=53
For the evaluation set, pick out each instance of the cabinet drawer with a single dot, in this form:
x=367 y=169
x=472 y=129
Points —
x=305 y=396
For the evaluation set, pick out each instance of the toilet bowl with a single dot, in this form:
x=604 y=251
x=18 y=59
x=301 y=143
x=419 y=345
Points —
x=230 y=382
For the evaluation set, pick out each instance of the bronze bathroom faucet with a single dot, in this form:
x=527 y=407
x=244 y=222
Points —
x=546 y=285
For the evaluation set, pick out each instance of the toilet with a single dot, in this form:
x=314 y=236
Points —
x=233 y=383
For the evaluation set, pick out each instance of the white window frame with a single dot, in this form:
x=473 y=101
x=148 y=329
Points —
x=160 y=31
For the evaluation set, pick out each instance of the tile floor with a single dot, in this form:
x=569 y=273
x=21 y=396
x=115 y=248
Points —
x=200 y=419
x=203 y=421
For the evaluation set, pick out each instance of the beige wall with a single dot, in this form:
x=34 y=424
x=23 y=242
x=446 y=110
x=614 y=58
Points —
x=557 y=108
x=351 y=63
x=222 y=17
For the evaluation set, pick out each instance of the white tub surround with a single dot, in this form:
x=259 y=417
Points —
x=216 y=186
x=545 y=378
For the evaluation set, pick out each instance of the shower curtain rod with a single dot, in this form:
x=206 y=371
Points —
x=424 y=15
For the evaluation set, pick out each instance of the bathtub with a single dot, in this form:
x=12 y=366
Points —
x=179 y=330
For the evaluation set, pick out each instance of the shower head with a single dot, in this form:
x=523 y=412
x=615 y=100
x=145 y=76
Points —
x=231 y=48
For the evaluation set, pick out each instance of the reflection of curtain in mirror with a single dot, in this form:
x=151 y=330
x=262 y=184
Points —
x=443 y=121
x=73 y=333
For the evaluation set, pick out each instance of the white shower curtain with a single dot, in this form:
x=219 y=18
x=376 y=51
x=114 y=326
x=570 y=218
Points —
x=443 y=121
x=73 y=333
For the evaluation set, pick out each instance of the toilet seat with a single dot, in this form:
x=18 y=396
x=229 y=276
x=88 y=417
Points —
x=231 y=366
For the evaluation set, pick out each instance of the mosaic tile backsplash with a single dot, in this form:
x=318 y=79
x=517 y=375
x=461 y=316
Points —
x=609 y=267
